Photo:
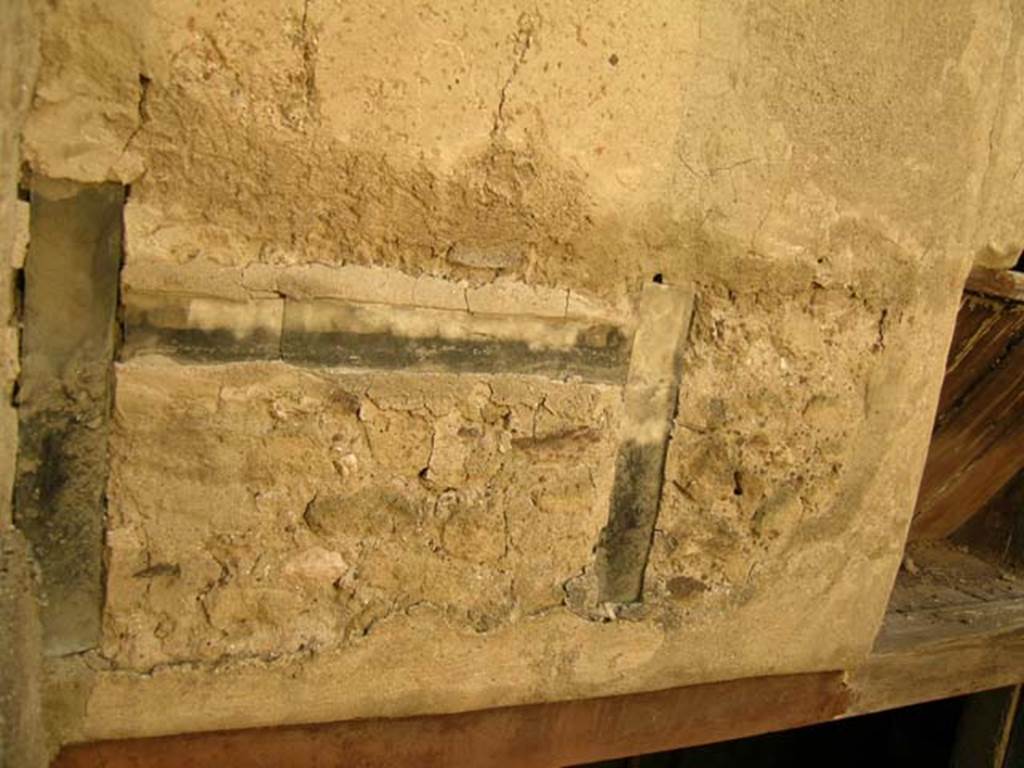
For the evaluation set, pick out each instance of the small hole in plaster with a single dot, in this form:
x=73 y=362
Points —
x=659 y=278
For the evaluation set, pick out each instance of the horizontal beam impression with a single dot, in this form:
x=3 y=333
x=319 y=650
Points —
x=335 y=333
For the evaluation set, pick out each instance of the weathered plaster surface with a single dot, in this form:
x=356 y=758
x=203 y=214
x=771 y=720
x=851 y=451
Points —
x=22 y=737
x=823 y=173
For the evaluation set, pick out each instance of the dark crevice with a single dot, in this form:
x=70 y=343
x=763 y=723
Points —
x=142 y=111
x=143 y=105
x=120 y=321
x=523 y=39
x=17 y=300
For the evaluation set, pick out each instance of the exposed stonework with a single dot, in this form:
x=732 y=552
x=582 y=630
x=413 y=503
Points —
x=262 y=511
x=823 y=173
x=760 y=476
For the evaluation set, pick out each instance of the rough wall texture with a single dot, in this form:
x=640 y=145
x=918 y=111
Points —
x=22 y=741
x=20 y=52
x=311 y=509
x=291 y=543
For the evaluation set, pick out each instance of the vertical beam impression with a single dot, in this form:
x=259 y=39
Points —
x=651 y=393
x=983 y=735
x=64 y=396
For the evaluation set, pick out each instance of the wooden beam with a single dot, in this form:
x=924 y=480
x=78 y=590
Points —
x=978 y=443
x=984 y=731
x=921 y=656
x=554 y=734
x=974 y=452
x=936 y=654
x=1014 y=756
x=955 y=625
x=984 y=329
x=1004 y=283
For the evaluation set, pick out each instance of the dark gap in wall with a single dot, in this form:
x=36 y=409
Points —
x=18 y=300
x=15 y=321
x=737 y=484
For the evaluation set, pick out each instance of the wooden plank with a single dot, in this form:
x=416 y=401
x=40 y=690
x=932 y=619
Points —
x=957 y=651
x=921 y=656
x=971 y=639
x=556 y=734
x=1003 y=283
x=978 y=443
x=984 y=730
x=984 y=329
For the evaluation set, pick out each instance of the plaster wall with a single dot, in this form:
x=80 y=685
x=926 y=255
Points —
x=291 y=542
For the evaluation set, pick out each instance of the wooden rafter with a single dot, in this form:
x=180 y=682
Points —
x=978 y=443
